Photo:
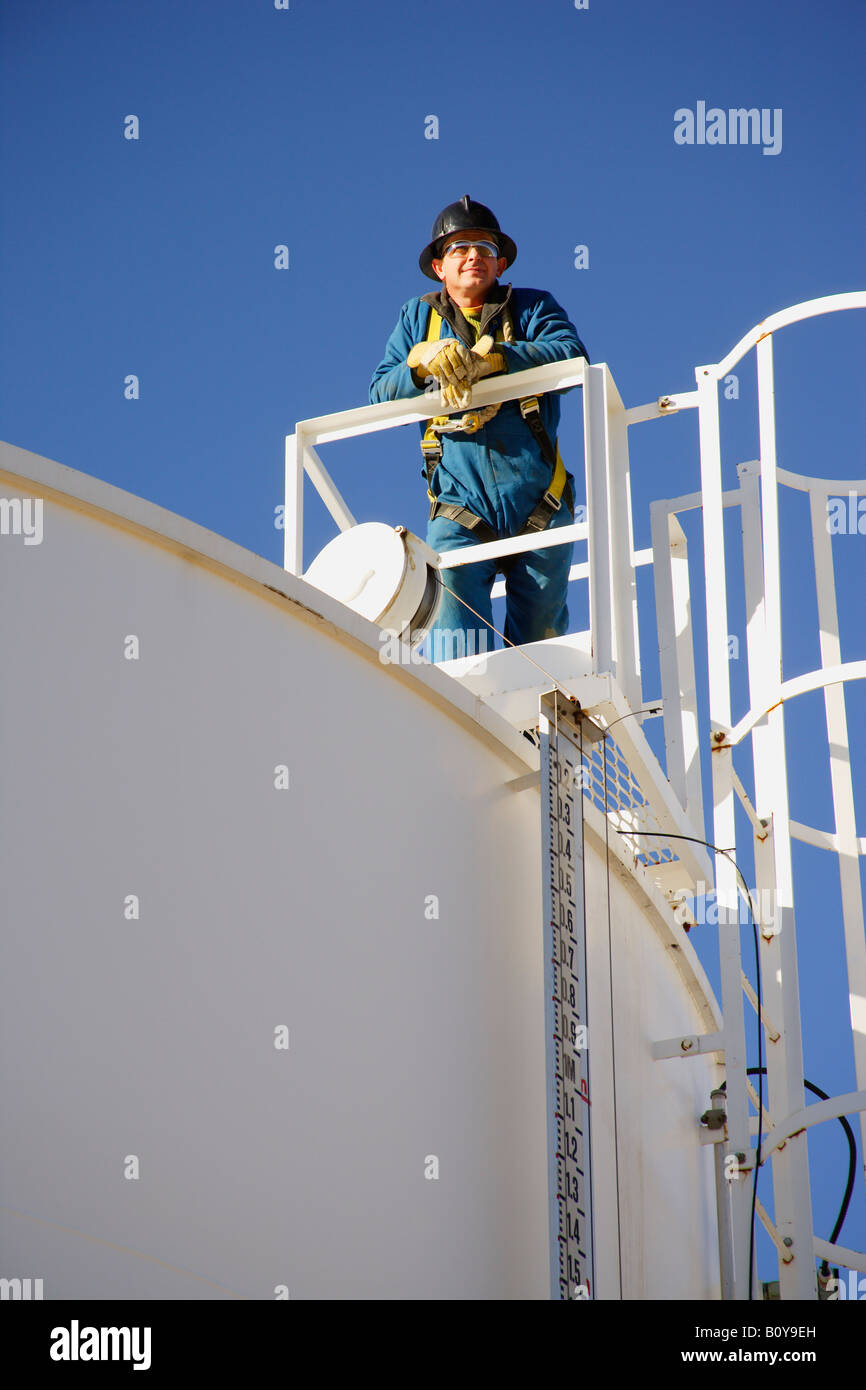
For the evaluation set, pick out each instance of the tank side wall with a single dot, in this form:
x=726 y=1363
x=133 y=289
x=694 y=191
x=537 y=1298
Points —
x=271 y=1012
x=169 y=905
x=653 y=1160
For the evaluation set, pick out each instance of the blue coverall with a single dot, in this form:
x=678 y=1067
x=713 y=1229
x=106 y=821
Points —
x=498 y=472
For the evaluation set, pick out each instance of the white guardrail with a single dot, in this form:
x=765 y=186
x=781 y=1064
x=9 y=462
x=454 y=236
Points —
x=611 y=559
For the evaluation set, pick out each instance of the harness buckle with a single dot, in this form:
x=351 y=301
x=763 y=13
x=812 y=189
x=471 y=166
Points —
x=552 y=501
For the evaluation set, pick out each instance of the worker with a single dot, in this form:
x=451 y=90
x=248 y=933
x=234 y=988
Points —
x=496 y=471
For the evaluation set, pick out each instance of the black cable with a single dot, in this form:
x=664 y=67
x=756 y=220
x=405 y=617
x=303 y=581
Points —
x=852 y=1160
x=651 y=709
x=852 y=1168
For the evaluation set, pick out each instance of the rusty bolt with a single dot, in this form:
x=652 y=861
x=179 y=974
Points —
x=687 y=1044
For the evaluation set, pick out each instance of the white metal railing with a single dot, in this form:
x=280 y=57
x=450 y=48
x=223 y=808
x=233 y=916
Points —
x=302 y=457
x=611 y=558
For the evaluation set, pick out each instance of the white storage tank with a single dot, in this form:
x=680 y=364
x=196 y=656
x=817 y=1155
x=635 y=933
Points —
x=272 y=992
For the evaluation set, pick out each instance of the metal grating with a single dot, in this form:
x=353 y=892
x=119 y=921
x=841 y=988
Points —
x=629 y=811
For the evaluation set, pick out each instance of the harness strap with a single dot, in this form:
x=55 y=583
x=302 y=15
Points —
x=431 y=449
x=551 y=500
x=464 y=517
x=531 y=412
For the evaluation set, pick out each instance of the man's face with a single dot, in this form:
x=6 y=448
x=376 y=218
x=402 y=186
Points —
x=469 y=273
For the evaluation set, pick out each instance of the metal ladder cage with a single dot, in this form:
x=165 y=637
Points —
x=761 y=732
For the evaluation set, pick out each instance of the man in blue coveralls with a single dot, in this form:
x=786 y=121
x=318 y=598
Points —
x=493 y=472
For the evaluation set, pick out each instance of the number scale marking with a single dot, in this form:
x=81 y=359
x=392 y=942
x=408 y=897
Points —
x=568 y=1091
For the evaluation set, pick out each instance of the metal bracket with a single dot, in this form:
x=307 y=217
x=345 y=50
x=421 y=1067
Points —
x=689 y=1045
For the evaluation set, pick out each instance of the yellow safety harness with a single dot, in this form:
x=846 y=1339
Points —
x=431 y=449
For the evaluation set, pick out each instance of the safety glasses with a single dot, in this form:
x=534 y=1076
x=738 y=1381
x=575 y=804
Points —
x=462 y=248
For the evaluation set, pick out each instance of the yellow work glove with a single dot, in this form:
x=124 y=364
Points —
x=456 y=397
x=490 y=361
x=447 y=359
x=485 y=362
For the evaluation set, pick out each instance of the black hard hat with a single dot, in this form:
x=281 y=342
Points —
x=464 y=216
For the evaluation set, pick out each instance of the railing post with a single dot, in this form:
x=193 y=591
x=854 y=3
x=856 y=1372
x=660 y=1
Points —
x=773 y=865
x=612 y=590
x=724 y=829
x=598 y=518
x=842 y=787
x=293 y=517
x=677 y=659
x=627 y=643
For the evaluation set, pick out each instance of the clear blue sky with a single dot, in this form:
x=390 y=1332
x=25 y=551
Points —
x=305 y=127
